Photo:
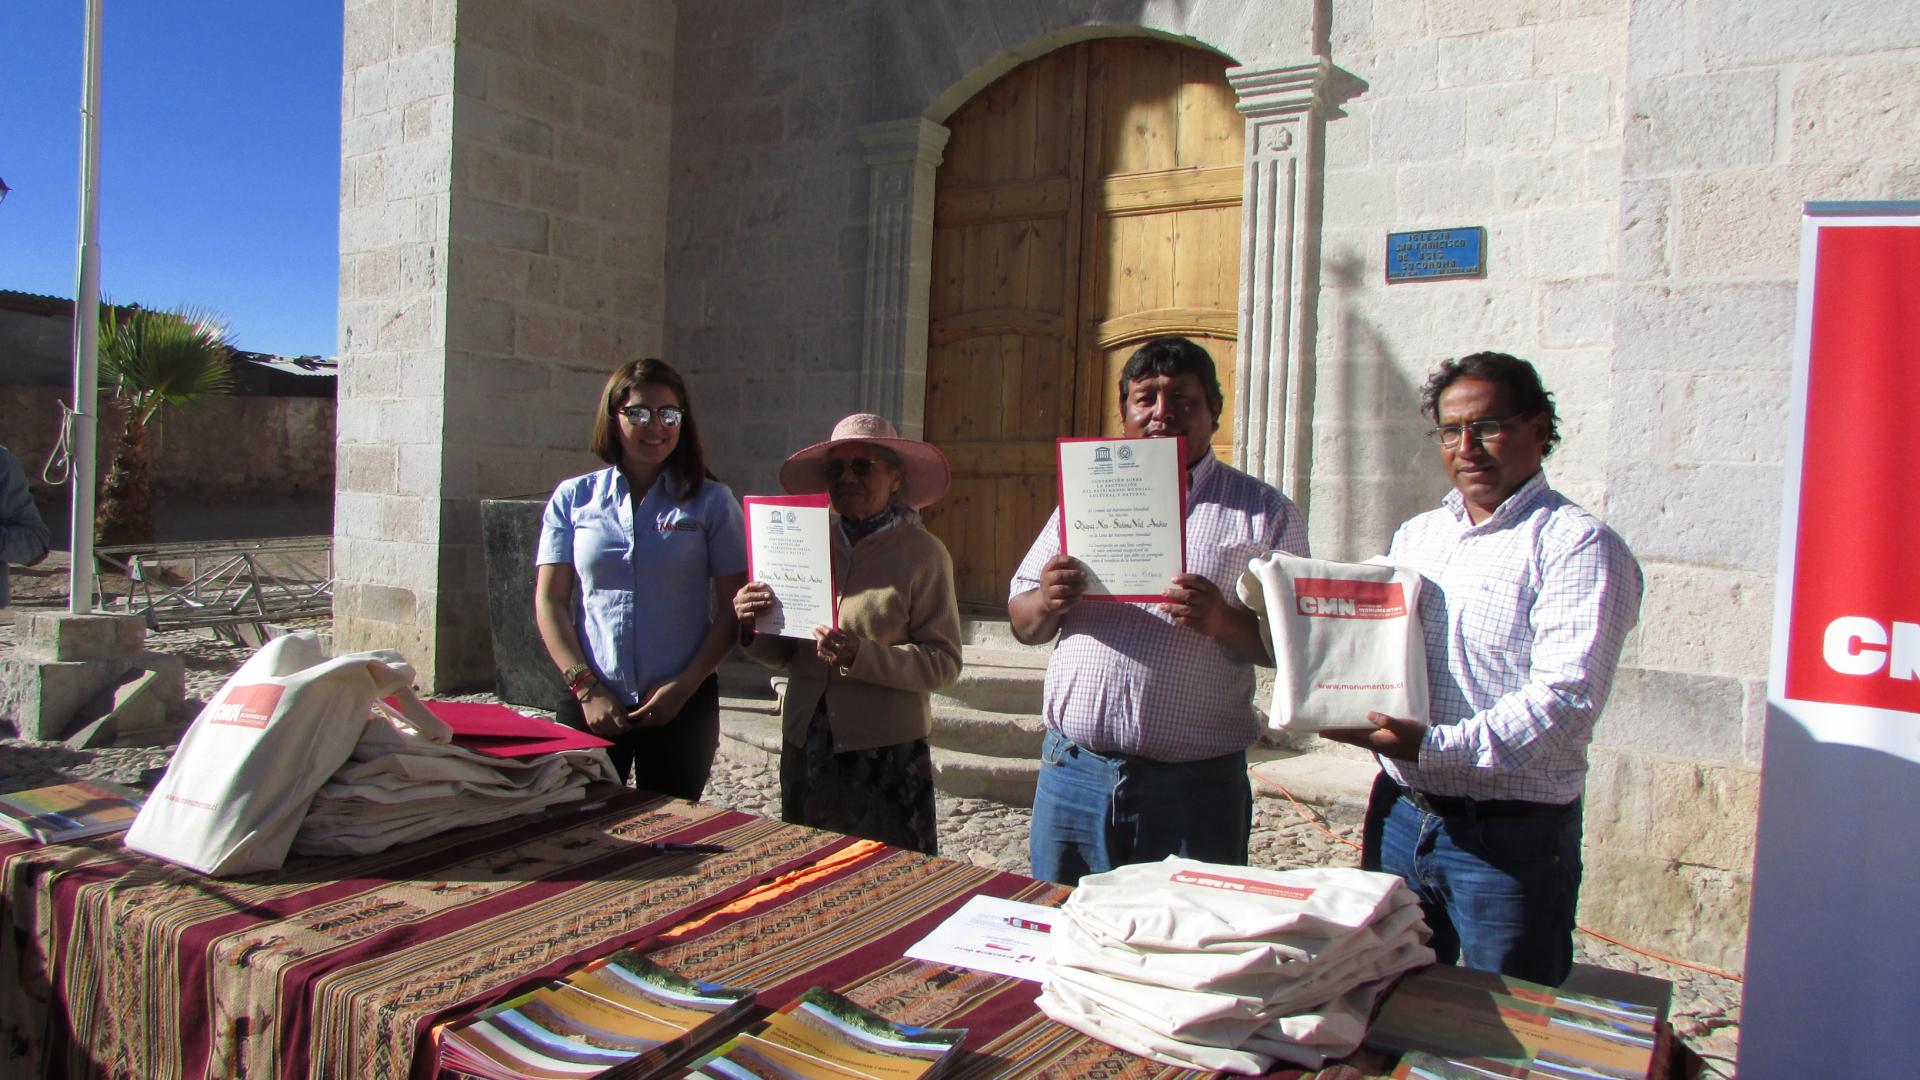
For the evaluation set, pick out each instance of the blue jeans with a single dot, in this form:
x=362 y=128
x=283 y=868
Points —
x=1498 y=891
x=1093 y=812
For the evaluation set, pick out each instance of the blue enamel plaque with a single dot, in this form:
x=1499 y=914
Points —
x=1437 y=253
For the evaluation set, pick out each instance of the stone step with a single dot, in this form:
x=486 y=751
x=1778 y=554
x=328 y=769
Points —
x=1331 y=780
x=987 y=731
x=749 y=706
x=751 y=736
x=1008 y=780
x=1334 y=780
x=742 y=676
x=994 y=632
x=990 y=679
x=997 y=680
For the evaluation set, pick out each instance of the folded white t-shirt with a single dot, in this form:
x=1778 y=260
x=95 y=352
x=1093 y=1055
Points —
x=1308 y=1039
x=1186 y=905
x=1251 y=968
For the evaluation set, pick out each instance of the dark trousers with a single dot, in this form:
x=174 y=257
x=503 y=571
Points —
x=884 y=793
x=673 y=759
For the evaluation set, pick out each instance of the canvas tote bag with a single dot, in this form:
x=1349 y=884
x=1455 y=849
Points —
x=1345 y=639
x=248 y=767
x=400 y=785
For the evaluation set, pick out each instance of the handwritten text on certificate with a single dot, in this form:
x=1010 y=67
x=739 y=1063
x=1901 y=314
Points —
x=788 y=550
x=1120 y=513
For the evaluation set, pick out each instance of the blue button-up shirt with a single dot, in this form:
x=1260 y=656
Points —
x=641 y=605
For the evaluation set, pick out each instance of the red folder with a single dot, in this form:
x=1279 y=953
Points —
x=503 y=732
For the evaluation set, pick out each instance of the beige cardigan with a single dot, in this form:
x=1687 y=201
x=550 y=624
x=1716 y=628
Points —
x=897 y=595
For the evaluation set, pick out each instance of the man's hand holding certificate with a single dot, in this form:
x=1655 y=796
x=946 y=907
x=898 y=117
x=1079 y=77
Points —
x=1123 y=514
x=789 y=552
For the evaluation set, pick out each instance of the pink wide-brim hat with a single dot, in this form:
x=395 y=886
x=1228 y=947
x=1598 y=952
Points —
x=924 y=472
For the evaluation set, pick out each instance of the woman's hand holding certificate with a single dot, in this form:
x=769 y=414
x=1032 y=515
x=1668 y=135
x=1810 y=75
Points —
x=1123 y=518
x=790 y=563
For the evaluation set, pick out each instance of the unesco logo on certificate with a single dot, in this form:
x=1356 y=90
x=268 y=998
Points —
x=1103 y=460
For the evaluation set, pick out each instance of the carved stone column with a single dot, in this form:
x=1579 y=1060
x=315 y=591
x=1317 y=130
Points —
x=1279 y=248
x=901 y=158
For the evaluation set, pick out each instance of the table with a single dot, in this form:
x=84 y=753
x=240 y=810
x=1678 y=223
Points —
x=116 y=964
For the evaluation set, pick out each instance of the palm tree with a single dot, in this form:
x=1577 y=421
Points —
x=157 y=358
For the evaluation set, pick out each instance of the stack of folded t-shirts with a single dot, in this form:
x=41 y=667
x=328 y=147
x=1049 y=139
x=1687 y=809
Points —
x=1231 y=967
x=399 y=786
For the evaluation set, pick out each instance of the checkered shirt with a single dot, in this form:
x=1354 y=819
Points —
x=1124 y=679
x=1524 y=616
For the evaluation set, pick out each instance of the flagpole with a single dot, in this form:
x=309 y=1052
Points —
x=84 y=422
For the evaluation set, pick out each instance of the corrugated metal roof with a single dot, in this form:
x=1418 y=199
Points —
x=322 y=366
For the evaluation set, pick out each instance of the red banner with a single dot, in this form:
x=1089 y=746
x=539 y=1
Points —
x=1854 y=632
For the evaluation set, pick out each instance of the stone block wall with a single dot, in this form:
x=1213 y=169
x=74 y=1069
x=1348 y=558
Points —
x=396 y=104
x=513 y=225
x=766 y=246
x=1505 y=116
x=1639 y=168
x=226 y=447
x=502 y=237
x=1734 y=115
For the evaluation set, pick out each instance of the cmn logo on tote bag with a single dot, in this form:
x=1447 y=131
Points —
x=247 y=769
x=1345 y=638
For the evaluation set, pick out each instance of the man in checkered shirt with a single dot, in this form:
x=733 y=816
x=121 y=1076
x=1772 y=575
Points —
x=1148 y=705
x=1527 y=602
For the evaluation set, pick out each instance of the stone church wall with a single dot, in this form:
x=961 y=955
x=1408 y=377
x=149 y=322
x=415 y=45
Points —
x=522 y=208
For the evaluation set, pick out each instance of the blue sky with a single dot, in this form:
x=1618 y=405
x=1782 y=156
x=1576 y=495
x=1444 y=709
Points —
x=219 y=159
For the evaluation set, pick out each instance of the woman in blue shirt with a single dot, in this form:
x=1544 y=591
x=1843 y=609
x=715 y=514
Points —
x=627 y=562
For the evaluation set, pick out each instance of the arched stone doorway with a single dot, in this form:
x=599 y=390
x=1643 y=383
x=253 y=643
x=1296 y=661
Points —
x=1088 y=200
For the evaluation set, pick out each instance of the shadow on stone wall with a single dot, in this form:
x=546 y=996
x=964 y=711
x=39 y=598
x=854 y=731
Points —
x=1373 y=464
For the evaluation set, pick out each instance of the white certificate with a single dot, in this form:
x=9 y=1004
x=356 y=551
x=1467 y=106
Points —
x=1005 y=937
x=788 y=550
x=1123 y=513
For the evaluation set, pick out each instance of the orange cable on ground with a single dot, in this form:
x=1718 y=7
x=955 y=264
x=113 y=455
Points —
x=1663 y=959
x=1314 y=820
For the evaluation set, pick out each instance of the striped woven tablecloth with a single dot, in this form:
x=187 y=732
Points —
x=115 y=964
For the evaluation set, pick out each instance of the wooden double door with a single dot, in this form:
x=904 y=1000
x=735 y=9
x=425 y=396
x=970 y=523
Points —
x=1089 y=200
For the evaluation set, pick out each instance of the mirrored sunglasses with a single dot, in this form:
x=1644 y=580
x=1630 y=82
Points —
x=641 y=415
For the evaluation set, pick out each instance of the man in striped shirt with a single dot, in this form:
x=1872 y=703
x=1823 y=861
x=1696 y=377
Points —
x=1149 y=705
x=1528 y=601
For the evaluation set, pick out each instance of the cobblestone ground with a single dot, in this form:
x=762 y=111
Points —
x=1706 y=1008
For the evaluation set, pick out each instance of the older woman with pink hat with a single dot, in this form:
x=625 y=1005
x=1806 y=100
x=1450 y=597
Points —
x=857 y=710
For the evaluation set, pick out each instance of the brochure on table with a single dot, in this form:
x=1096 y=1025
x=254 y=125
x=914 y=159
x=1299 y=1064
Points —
x=790 y=551
x=824 y=1036
x=1123 y=513
x=72 y=810
x=619 y=1016
x=1004 y=937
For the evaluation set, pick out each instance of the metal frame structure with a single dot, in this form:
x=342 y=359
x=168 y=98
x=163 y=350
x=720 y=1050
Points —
x=233 y=587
